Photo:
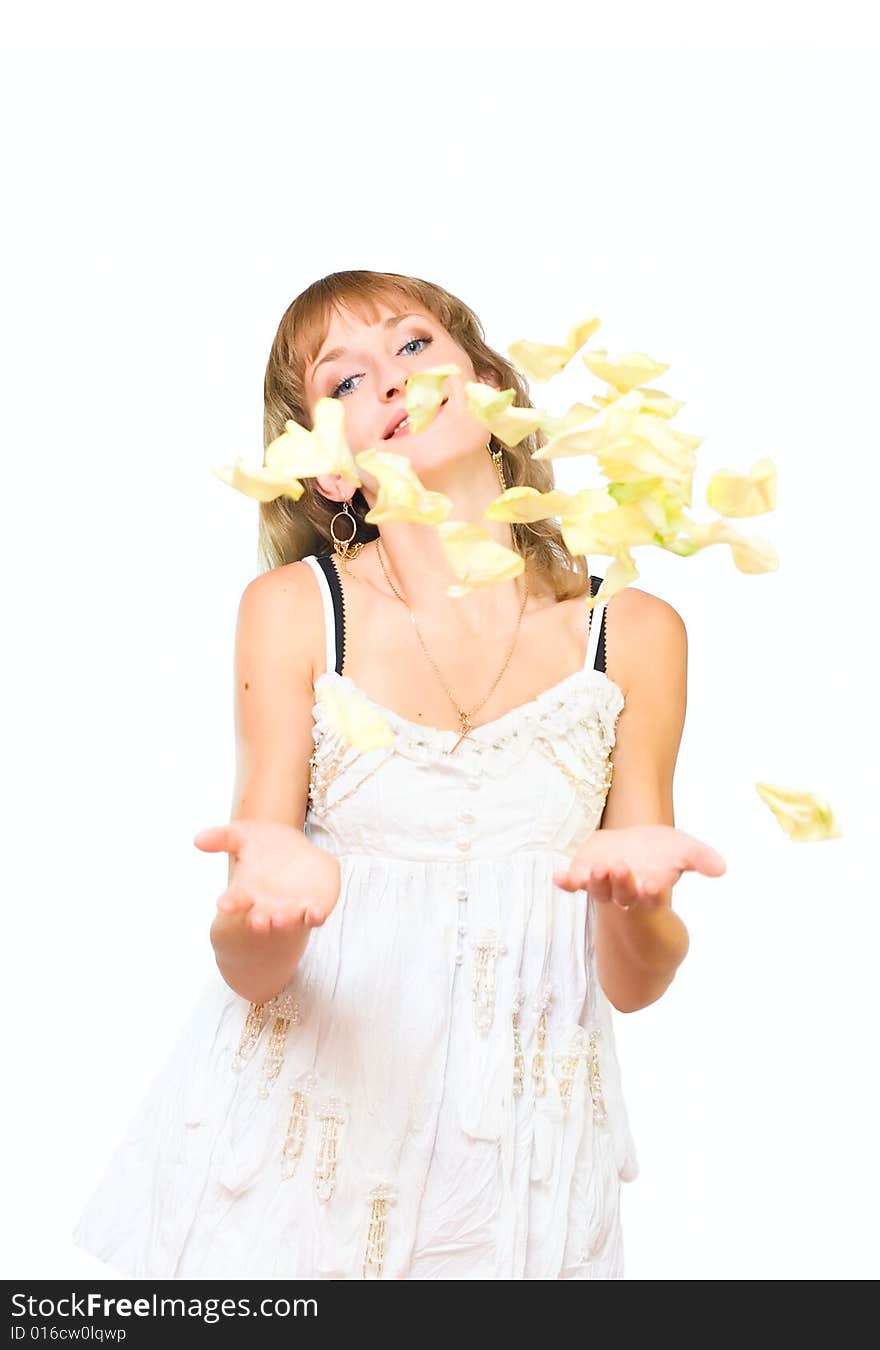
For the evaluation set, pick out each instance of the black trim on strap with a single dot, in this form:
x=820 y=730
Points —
x=599 y=663
x=328 y=567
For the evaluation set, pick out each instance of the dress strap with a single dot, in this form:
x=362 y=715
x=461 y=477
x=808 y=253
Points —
x=596 y=646
x=334 y=610
x=334 y=616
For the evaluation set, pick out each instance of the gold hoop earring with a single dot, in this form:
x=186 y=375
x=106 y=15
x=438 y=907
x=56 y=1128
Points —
x=345 y=549
x=497 y=460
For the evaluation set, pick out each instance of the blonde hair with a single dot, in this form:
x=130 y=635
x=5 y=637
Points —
x=289 y=530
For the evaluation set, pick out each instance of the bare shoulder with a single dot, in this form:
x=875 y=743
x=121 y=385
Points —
x=639 y=623
x=279 y=624
x=646 y=655
x=283 y=606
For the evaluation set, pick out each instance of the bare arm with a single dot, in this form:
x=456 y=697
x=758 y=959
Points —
x=273 y=722
x=638 y=951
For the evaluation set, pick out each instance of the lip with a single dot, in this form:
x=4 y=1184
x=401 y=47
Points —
x=396 y=420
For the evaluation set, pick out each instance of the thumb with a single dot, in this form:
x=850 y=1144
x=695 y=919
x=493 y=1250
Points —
x=707 y=860
x=219 y=839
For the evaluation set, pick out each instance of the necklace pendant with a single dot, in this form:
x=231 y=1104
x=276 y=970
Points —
x=465 y=721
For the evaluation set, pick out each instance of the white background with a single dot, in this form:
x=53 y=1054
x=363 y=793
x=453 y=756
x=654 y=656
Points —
x=175 y=176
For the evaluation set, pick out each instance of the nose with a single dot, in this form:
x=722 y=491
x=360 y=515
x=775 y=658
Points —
x=392 y=377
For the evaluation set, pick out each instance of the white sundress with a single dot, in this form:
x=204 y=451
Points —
x=435 y=1094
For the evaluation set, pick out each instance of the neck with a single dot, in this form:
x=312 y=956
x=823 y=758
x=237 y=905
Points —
x=416 y=562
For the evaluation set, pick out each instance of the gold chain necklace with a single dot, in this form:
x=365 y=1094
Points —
x=464 y=718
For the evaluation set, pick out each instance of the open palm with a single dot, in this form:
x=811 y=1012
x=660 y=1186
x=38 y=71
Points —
x=280 y=877
x=637 y=864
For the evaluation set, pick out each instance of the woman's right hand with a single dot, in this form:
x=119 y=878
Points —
x=280 y=878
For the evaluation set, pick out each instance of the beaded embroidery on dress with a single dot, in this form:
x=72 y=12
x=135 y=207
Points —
x=436 y=1092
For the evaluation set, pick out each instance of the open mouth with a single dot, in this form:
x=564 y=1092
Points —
x=402 y=428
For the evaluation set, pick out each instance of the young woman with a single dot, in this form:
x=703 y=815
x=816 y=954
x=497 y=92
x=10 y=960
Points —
x=405 y=1067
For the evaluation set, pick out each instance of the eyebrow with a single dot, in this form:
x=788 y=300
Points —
x=342 y=351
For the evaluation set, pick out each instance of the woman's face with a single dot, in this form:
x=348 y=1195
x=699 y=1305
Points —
x=369 y=374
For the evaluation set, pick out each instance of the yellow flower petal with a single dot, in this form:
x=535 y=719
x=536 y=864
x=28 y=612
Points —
x=486 y=402
x=401 y=495
x=424 y=395
x=604 y=527
x=618 y=575
x=623 y=372
x=493 y=408
x=751 y=554
x=475 y=557
x=576 y=415
x=263 y=484
x=541 y=360
x=526 y=504
x=581 y=333
x=653 y=400
x=356 y=720
x=662 y=500
x=513 y=426
x=751 y=494
x=648 y=449
x=805 y=817
x=597 y=432
x=308 y=453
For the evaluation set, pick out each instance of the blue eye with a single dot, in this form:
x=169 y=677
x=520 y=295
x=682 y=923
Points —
x=334 y=393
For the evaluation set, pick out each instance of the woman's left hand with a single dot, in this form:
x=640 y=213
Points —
x=637 y=865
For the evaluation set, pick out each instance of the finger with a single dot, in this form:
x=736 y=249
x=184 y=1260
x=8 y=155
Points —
x=702 y=858
x=315 y=917
x=287 y=918
x=650 y=889
x=624 y=893
x=713 y=863
x=598 y=884
x=259 y=920
x=235 y=899
x=219 y=839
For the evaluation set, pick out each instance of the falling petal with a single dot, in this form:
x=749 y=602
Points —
x=581 y=333
x=805 y=817
x=354 y=718
x=602 y=429
x=493 y=408
x=475 y=557
x=527 y=504
x=750 y=554
x=576 y=416
x=259 y=482
x=661 y=499
x=653 y=400
x=538 y=360
x=541 y=361
x=401 y=495
x=303 y=453
x=424 y=395
x=623 y=372
x=618 y=575
x=606 y=530
x=751 y=494
x=631 y=458
x=329 y=432
x=513 y=426
x=484 y=401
